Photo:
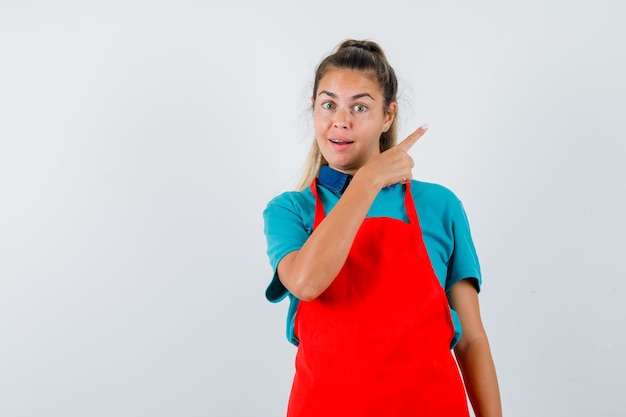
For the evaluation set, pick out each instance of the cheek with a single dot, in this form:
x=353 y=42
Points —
x=317 y=127
x=370 y=129
x=320 y=124
x=320 y=134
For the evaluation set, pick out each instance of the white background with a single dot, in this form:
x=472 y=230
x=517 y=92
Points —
x=140 y=142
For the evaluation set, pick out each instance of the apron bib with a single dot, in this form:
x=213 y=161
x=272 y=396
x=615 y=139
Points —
x=377 y=341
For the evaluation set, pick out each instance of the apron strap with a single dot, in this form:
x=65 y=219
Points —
x=409 y=206
x=319 y=207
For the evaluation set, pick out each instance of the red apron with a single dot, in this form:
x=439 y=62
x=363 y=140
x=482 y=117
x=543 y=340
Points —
x=377 y=341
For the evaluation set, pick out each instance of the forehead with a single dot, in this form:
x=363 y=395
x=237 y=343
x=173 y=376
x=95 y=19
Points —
x=349 y=82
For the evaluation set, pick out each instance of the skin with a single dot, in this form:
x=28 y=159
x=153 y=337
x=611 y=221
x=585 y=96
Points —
x=349 y=116
x=349 y=121
x=473 y=353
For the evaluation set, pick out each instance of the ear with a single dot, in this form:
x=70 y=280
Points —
x=390 y=115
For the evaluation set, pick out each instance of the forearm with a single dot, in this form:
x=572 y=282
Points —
x=479 y=375
x=309 y=271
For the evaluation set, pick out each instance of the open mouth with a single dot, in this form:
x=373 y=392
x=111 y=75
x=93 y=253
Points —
x=340 y=141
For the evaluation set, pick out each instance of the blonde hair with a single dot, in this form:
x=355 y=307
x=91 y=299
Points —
x=367 y=57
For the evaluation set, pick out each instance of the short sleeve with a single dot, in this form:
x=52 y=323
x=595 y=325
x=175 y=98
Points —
x=464 y=262
x=287 y=226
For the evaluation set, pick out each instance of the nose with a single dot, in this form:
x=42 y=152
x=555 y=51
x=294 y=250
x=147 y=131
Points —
x=342 y=119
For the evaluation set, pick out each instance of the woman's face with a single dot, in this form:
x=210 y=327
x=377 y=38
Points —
x=349 y=115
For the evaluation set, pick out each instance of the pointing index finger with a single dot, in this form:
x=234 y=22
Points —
x=410 y=140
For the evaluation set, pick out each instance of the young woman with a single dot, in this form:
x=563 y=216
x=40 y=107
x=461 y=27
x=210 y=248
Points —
x=380 y=269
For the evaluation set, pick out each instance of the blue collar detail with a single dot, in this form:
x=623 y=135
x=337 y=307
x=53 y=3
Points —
x=336 y=181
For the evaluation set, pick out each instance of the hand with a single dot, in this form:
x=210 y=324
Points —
x=410 y=140
x=407 y=144
x=395 y=164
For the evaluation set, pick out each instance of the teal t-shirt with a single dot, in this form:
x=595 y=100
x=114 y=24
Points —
x=445 y=231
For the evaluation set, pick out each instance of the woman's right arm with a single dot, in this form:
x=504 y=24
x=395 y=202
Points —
x=307 y=272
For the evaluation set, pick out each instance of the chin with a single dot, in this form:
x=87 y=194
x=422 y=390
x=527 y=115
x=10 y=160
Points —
x=346 y=169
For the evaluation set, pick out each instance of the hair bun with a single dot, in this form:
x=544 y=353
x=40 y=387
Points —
x=364 y=46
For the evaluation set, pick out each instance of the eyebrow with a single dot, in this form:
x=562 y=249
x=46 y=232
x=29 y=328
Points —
x=354 y=97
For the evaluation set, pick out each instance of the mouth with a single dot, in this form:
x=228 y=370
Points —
x=341 y=141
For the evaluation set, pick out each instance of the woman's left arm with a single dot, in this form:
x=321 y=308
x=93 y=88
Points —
x=473 y=353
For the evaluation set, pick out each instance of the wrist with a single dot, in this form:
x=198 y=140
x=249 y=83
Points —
x=366 y=185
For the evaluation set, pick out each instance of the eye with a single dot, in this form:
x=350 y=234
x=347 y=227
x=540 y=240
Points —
x=328 y=105
x=359 y=108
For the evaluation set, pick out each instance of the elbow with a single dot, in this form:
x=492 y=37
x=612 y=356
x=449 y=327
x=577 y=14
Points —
x=305 y=292
x=471 y=342
x=302 y=289
x=307 y=297
x=304 y=282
